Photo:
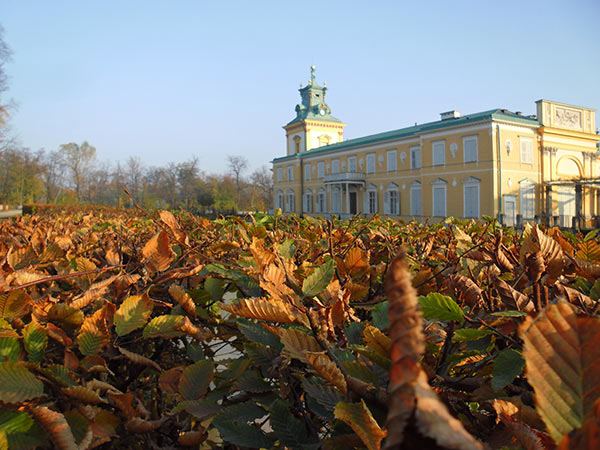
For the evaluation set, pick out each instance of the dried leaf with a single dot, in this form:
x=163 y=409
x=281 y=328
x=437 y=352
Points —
x=157 y=252
x=139 y=359
x=360 y=419
x=562 y=353
x=327 y=369
x=56 y=426
x=183 y=298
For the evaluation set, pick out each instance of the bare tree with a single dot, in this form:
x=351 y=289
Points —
x=237 y=166
x=5 y=54
x=79 y=160
x=262 y=180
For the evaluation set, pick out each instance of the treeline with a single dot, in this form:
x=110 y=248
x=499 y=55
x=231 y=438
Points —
x=72 y=174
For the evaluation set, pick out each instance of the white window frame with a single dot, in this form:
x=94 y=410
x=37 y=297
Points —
x=438 y=148
x=475 y=157
x=321 y=169
x=526 y=147
x=279 y=174
x=370 y=162
x=279 y=201
x=472 y=182
x=352 y=164
x=321 y=204
x=416 y=208
x=308 y=201
x=527 y=199
x=392 y=160
x=289 y=201
x=415 y=161
x=438 y=185
x=307 y=172
x=290 y=173
x=335 y=165
x=391 y=200
x=370 y=199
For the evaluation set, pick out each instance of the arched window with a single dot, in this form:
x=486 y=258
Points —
x=415 y=199
x=279 y=200
x=471 y=197
x=336 y=199
x=321 y=205
x=308 y=201
x=391 y=200
x=527 y=194
x=370 y=206
x=289 y=201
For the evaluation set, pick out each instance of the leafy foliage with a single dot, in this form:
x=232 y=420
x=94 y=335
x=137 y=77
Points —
x=133 y=330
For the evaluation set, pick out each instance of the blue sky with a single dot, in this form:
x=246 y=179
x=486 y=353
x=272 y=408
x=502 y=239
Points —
x=167 y=80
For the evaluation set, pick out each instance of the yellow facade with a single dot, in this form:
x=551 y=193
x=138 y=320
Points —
x=496 y=163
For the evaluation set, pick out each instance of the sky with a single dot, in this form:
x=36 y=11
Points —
x=170 y=80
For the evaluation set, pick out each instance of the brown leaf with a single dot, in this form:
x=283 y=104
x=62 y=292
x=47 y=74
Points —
x=157 y=252
x=512 y=298
x=377 y=341
x=408 y=345
x=139 y=425
x=84 y=394
x=55 y=424
x=327 y=369
x=297 y=343
x=183 y=298
x=464 y=288
x=262 y=256
x=356 y=262
x=550 y=250
x=263 y=309
x=139 y=359
x=360 y=419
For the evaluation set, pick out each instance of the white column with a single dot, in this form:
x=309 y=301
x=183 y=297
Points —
x=347 y=200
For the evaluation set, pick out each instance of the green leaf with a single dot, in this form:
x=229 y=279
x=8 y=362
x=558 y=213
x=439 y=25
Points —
x=60 y=374
x=9 y=349
x=233 y=426
x=244 y=282
x=439 y=307
x=166 y=326
x=325 y=395
x=510 y=313
x=3 y=441
x=252 y=382
x=507 y=366
x=257 y=333
x=287 y=248
x=290 y=431
x=195 y=379
x=133 y=313
x=318 y=281
x=380 y=316
x=215 y=287
x=469 y=334
x=15 y=422
x=17 y=384
x=36 y=339
x=591 y=235
x=200 y=409
x=195 y=352
x=595 y=290
x=354 y=332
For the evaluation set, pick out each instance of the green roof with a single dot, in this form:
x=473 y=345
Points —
x=493 y=114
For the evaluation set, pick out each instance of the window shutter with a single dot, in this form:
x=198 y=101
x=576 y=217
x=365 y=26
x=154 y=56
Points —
x=386 y=202
x=470 y=148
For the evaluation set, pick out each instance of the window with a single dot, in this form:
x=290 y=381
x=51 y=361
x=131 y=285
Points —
x=321 y=205
x=370 y=206
x=289 y=201
x=290 y=173
x=321 y=169
x=371 y=163
x=352 y=164
x=297 y=140
x=336 y=200
x=279 y=174
x=526 y=150
x=391 y=160
x=307 y=171
x=470 y=149
x=391 y=200
x=279 y=200
x=415 y=199
x=439 y=198
x=297 y=146
x=527 y=193
x=439 y=153
x=415 y=157
x=471 y=197
x=335 y=166
x=308 y=200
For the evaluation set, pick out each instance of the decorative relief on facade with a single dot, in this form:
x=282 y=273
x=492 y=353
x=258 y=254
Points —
x=567 y=118
x=453 y=149
x=380 y=159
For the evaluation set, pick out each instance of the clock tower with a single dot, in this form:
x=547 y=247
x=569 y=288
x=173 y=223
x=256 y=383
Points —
x=313 y=126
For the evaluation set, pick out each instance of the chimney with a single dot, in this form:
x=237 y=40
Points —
x=518 y=113
x=454 y=114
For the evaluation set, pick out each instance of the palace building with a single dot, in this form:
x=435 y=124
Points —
x=497 y=163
